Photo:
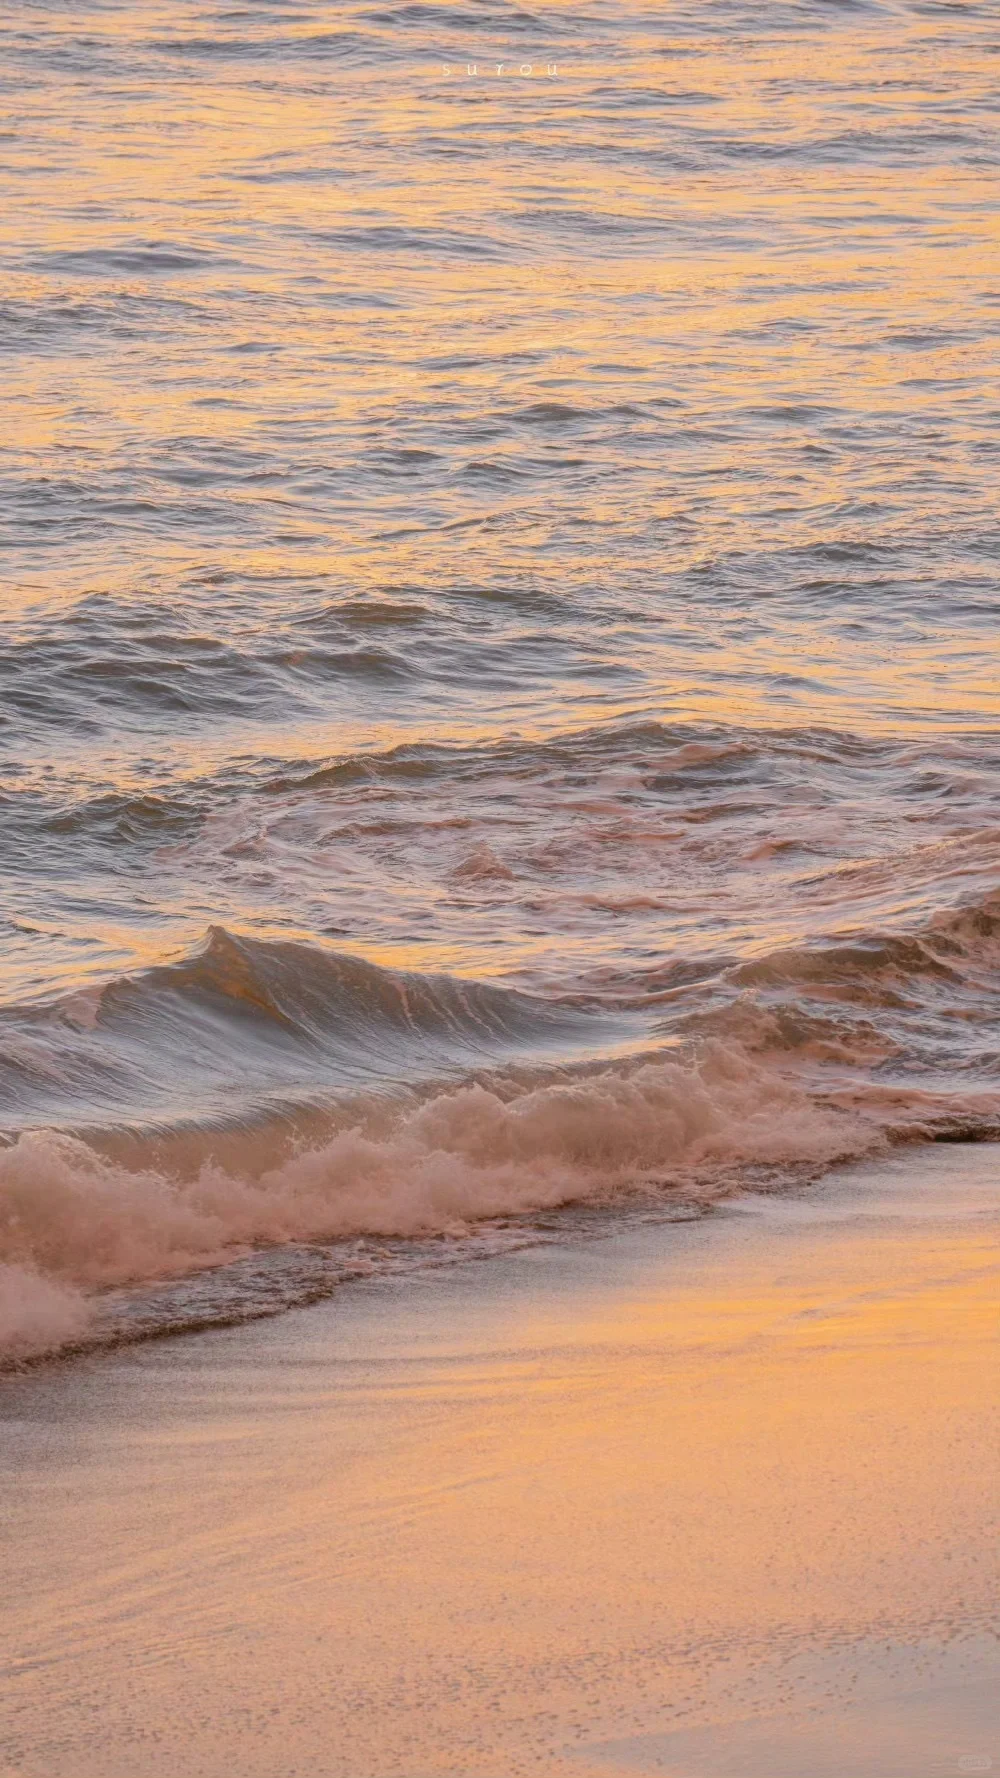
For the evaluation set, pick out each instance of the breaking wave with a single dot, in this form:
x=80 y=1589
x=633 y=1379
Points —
x=73 y=1220
x=401 y=1107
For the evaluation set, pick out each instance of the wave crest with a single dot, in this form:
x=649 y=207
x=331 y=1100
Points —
x=245 y=1019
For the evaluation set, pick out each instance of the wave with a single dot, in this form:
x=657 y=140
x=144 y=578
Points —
x=245 y=1019
x=257 y=1095
x=73 y=1220
x=244 y=1024
x=751 y=1092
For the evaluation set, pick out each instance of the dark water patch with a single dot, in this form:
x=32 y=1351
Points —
x=350 y=663
x=118 y=818
x=394 y=238
x=141 y=258
x=268 y=46
x=362 y=613
x=61 y=681
x=549 y=413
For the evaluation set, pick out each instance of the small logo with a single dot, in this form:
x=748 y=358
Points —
x=975 y=1762
x=550 y=69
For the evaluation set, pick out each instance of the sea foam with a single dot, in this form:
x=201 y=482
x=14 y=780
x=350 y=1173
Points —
x=72 y=1218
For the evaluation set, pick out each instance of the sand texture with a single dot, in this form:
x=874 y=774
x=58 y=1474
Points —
x=710 y=1500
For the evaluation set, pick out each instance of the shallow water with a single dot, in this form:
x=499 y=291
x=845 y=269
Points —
x=500 y=660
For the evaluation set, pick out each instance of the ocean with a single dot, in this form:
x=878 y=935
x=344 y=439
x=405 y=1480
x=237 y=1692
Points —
x=499 y=650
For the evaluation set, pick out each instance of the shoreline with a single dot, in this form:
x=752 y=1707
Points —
x=708 y=1499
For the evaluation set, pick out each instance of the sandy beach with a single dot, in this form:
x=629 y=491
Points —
x=708 y=1500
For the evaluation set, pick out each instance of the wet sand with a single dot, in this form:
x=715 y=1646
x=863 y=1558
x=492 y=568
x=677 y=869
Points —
x=709 y=1500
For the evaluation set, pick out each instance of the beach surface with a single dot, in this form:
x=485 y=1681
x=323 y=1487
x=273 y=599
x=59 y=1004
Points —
x=710 y=1499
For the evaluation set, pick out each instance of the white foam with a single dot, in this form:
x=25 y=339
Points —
x=37 y=1314
x=71 y=1218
